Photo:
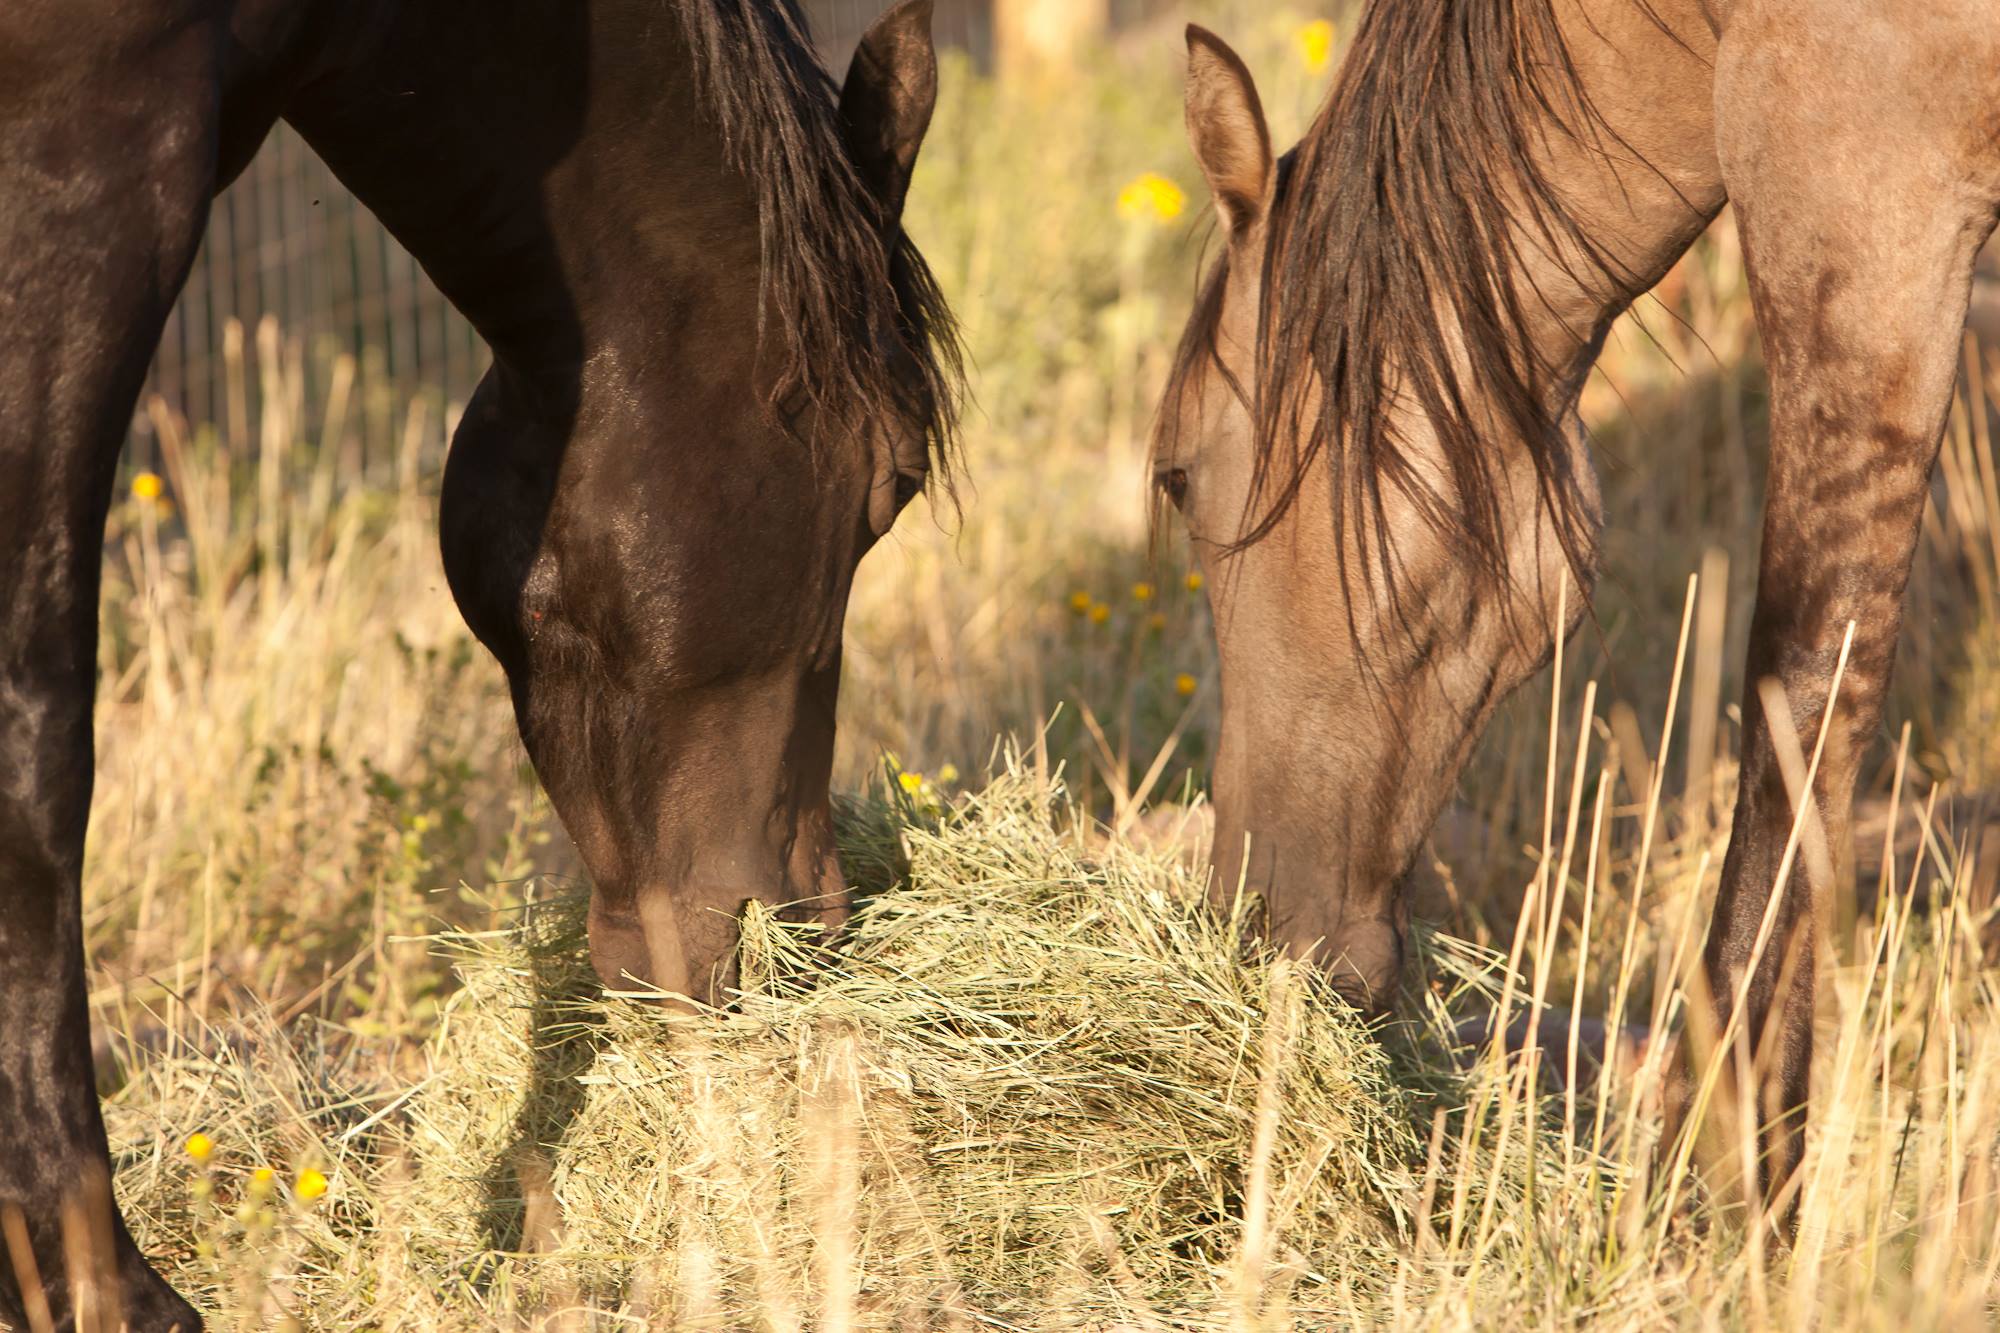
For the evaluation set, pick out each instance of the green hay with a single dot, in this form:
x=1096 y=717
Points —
x=1017 y=1039
x=1025 y=1092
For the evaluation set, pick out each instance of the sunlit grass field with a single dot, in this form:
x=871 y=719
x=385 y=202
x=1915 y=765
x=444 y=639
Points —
x=331 y=915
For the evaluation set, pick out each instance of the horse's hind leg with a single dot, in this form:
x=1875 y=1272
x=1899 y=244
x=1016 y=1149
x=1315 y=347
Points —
x=104 y=184
x=1862 y=202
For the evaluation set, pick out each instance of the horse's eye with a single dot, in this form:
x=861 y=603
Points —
x=908 y=484
x=1174 y=481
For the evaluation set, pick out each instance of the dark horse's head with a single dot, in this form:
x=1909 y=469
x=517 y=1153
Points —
x=767 y=375
x=1382 y=567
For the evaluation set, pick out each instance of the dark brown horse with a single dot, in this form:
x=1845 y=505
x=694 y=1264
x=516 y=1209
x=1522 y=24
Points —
x=720 y=370
x=1371 y=428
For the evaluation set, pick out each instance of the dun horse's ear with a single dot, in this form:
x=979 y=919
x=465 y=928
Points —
x=886 y=103
x=1225 y=121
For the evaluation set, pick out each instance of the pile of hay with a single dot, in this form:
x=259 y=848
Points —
x=1029 y=1090
x=1042 y=1085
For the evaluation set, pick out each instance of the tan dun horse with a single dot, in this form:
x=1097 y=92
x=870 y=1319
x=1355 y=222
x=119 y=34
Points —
x=1371 y=428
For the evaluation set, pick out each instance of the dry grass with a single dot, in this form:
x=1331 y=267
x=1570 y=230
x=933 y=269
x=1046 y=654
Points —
x=1041 y=1087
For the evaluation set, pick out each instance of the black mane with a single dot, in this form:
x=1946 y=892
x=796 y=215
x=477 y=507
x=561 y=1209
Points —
x=829 y=282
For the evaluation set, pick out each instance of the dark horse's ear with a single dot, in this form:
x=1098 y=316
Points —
x=1225 y=121
x=886 y=103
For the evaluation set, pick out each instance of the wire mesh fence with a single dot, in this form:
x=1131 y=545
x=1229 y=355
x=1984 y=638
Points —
x=287 y=242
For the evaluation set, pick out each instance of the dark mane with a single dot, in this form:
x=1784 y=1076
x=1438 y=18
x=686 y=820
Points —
x=829 y=283
x=1393 y=277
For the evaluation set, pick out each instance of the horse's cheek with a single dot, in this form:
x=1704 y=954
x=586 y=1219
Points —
x=492 y=517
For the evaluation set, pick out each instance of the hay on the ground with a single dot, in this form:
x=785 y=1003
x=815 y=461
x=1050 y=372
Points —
x=1028 y=1072
x=1042 y=1083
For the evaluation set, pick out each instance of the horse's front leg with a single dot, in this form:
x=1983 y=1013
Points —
x=105 y=175
x=1861 y=210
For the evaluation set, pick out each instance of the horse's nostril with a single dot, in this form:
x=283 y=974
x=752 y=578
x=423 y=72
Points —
x=1364 y=965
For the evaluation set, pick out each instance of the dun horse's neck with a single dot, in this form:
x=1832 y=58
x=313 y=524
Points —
x=1643 y=185
x=548 y=164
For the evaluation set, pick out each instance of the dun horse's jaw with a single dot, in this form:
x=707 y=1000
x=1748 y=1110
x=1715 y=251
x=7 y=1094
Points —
x=1317 y=909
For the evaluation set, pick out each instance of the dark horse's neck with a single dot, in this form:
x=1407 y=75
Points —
x=547 y=164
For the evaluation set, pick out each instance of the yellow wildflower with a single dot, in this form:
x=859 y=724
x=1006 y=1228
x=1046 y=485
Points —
x=311 y=1184
x=1315 y=42
x=1142 y=592
x=1079 y=602
x=1157 y=621
x=948 y=774
x=200 y=1146
x=910 y=782
x=1153 y=197
x=1184 y=684
x=261 y=1182
x=1195 y=581
x=1099 y=614
x=148 y=486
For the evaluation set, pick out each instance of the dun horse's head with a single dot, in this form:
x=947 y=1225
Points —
x=1383 y=557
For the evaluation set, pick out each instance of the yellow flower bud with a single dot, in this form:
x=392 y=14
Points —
x=1152 y=197
x=1315 y=43
x=1195 y=582
x=1142 y=592
x=200 y=1146
x=1184 y=684
x=311 y=1184
x=148 y=486
x=1079 y=601
x=1099 y=614
x=910 y=782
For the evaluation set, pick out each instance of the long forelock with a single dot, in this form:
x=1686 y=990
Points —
x=1392 y=284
